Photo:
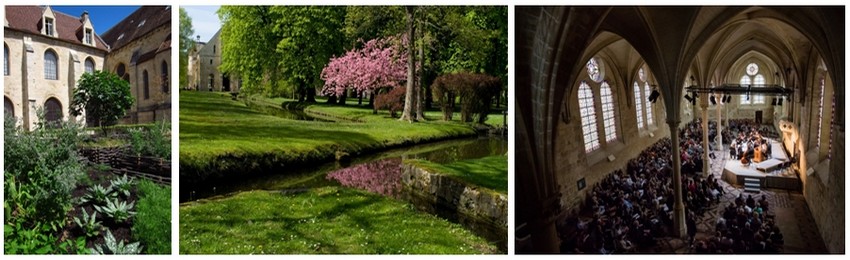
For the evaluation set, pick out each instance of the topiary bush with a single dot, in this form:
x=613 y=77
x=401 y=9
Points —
x=392 y=100
x=475 y=91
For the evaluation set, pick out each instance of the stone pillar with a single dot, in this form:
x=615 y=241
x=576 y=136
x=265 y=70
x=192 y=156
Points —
x=719 y=126
x=679 y=228
x=706 y=150
x=544 y=235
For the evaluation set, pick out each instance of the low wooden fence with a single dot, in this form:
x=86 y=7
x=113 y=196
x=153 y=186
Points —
x=122 y=161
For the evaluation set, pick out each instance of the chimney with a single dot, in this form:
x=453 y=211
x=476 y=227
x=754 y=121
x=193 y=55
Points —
x=84 y=16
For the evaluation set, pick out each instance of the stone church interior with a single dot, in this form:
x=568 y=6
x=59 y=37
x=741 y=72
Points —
x=679 y=130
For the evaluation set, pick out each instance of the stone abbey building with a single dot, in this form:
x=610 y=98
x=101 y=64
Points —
x=598 y=87
x=45 y=52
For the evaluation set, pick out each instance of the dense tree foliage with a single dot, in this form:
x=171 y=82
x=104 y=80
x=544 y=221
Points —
x=379 y=64
x=186 y=44
x=103 y=96
x=392 y=100
x=269 y=46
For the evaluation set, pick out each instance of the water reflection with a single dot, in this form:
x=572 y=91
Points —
x=381 y=177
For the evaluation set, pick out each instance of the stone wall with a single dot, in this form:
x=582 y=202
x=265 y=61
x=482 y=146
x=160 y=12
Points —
x=159 y=92
x=26 y=86
x=826 y=198
x=471 y=201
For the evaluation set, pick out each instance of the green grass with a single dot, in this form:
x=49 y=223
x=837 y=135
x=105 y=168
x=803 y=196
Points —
x=488 y=172
x=220 y=136
x=328 y=220
x=152 y=225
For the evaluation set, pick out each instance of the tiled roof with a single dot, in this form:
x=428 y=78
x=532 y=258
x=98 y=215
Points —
x=28 y=19
x=142 y=21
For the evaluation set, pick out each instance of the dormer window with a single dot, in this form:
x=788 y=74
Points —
x=88 y=39
x=48 y=26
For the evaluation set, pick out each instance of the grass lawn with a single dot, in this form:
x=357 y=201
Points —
x=329 y=220
x=219 y=136
x=488 y=172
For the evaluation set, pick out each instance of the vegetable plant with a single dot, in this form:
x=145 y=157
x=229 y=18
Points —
x=89 y=224
x=118 y=211
x=122 y=185
x=98 y=195
x=112 y=246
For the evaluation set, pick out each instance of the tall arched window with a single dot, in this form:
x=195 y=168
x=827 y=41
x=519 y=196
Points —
x=89 y=65
x=638 y=106
x=759 y=82
x=5 y=59
x=53 y=111
x=145 y=84
x=646 y=92
x=745 y=81
x=51 y=65
x=588 y=117
x=164 y=73
x=608 y=112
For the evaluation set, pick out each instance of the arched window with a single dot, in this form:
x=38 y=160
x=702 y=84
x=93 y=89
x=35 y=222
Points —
x=8 y=107
x=758 y=82
x=145 y=84
x=120 y=70
x=649 y=120
x=53 y=111
x=89 y=65
x=638 y=106
x=608 y=112
x=5 y=59
x=51 y=65
x=164 y=73
x=588 y=117
x=745 y=81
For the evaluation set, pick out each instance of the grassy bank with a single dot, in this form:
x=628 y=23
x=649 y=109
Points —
x=488 y=172
x=324 y=220
x=220 y=137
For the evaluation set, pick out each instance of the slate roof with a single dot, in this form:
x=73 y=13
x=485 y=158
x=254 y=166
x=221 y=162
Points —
x=136 y=25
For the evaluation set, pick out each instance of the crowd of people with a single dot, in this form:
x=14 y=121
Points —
x=629 y=209
x=746 y=226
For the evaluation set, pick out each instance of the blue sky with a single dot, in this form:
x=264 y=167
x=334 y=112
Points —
x=205 y=21
x=102 y=17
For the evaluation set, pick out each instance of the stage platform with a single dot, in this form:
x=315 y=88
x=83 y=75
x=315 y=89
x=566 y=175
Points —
x=767 y=172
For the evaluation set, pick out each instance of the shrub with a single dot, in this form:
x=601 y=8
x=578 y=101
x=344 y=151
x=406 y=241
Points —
x=41 y=170
x=111 y=246
x=153 y=140
x=152 y=225
x=392 y=100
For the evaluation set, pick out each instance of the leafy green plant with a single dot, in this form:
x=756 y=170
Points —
x=152 y=225
x=98 y=195
x=122 y=185
x=112 y=246
x=19 y=239
x=103 y=96
x=89 y=224
x=152 y=140
x=118 y=211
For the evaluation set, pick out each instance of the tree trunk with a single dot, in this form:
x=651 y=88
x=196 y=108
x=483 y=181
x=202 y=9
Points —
x=360 y=98
x=408 y=96
x=419 y=113
x=342 y=98
x=372 y=101
x=311 y=94
x=331 y=99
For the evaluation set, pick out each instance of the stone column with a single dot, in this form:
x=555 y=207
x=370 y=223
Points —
x=706 y=150
x=679 y=228
x=719 y=126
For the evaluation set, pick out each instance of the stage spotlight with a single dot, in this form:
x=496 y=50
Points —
x=713 y=101
x=654 y=96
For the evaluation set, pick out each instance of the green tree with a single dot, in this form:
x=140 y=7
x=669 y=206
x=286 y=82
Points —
x=270 y=46
x=103 y=96
x=186 y=44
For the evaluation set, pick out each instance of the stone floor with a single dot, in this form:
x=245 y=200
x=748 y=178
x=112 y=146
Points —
x=792 y=216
